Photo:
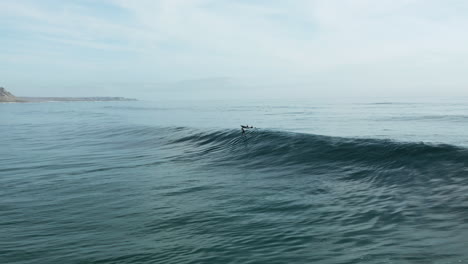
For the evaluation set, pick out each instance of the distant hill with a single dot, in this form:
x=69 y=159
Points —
x=7 y=97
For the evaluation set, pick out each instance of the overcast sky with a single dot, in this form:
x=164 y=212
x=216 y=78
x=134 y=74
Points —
x=157 y=49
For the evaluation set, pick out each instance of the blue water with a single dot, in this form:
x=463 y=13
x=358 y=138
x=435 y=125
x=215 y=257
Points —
x=350 y=180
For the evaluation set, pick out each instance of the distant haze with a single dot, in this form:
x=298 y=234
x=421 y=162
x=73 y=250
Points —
x=217 y=49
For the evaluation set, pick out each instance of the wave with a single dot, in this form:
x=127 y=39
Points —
x=376 y=160
x=300 y=148
x=286 y=153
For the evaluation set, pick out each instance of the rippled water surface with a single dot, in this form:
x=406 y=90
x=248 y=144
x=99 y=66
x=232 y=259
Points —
x=321 y=181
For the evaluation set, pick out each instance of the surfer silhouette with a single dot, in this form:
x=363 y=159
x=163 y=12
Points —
x=243 y=128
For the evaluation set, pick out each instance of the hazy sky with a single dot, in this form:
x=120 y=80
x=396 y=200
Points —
x=154 y=49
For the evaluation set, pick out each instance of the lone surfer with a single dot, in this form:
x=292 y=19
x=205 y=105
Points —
x=243 y=128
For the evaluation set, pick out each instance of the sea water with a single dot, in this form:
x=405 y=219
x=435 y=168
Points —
x=344 y=180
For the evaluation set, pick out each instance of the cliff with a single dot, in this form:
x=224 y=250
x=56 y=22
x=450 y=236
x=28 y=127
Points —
x=6 y=96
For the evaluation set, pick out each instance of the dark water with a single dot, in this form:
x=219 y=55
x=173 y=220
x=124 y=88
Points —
x=315 y=182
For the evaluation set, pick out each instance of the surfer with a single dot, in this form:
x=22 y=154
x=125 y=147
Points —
x=243 y=128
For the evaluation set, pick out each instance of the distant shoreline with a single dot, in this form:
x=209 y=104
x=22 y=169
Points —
x=7 y=97
x=71 y=99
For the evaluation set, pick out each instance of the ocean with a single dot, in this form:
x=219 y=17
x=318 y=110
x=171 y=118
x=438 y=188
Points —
x=344 y=180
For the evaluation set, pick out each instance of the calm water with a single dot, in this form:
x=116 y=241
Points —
x=322 y=181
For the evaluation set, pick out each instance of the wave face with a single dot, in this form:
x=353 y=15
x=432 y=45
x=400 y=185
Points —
x=86 y=186
x=260 y=148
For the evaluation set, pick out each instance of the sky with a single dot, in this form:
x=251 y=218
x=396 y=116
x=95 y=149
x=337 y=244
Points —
x=227 y=49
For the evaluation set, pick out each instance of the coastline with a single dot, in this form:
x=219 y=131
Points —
x=7 y=97
x=67 y=99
